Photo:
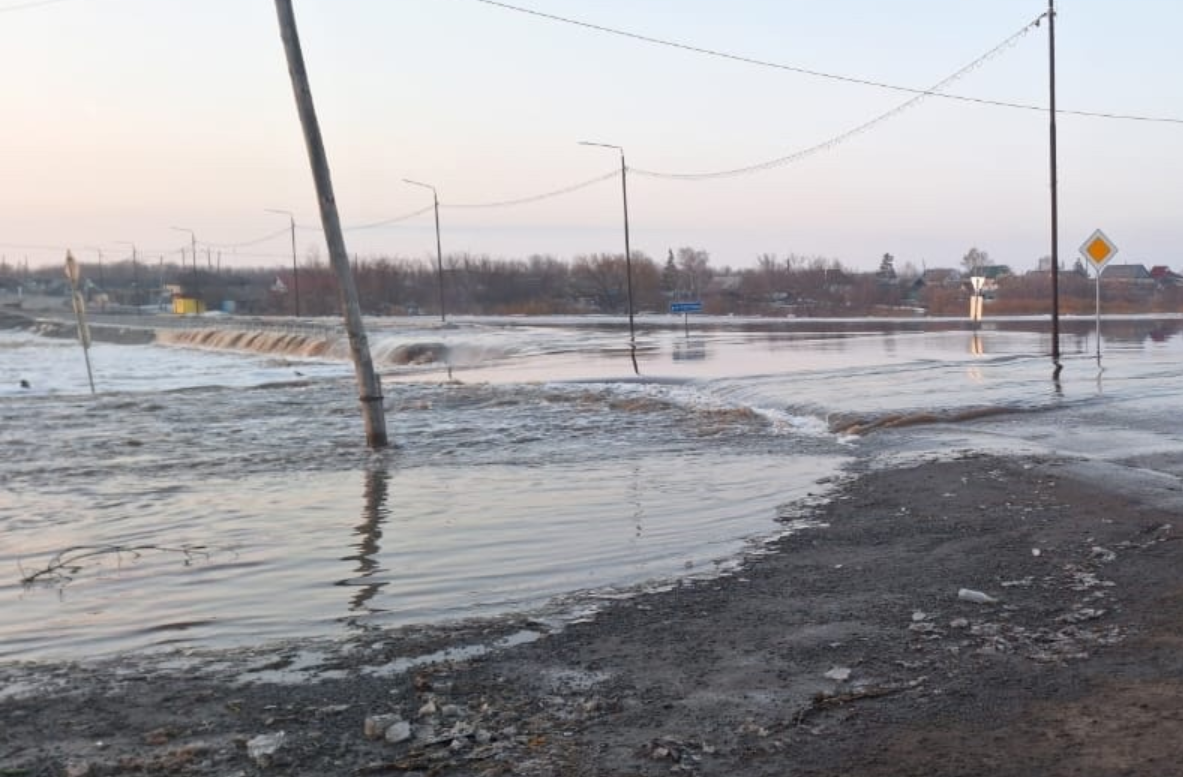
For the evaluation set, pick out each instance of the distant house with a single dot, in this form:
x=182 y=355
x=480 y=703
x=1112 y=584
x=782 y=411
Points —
x=992 y=273
x=724 y=285
x=936 y=278
x=941 y=276
x=1128 y=273
x=1164 y=276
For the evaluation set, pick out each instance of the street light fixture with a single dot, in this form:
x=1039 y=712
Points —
x=102 y=279
x=295 y=269
x=135 y=274
x=439 y=254
x=193 y=244
x=628 y=263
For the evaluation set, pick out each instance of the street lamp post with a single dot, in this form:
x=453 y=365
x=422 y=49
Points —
x=628 y=263
x=439 y=254
x=193 y=245
x=295 y=269
x=135 y=275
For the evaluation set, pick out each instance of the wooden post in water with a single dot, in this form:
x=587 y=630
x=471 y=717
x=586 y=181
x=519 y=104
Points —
x=368 y=381
x=75 y=275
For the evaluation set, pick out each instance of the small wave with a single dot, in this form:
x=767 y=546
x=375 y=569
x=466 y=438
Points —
x=414 y=354
x=856 y=424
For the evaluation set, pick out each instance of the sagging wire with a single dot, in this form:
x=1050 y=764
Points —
x=820 y=73
x=839 y=139
x=536 y=197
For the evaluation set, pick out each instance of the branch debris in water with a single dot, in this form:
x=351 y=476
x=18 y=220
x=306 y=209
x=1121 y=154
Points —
x=65 y=565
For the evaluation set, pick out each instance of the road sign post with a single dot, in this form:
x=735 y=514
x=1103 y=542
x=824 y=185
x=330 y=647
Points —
x=686 y=308
x=1098 y=250
x=975 y=301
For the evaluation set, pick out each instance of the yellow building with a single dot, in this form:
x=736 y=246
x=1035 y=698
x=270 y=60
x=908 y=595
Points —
x=188 y=306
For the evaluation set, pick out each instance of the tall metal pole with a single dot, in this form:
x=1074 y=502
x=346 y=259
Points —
x=135 y=279
x=369 y=383
x=135 y=275
x=1051 y=40
x=628 y=262
x=628 y=255
x=295 y=270
x=439 y=255
x=439 y=252
x=196 y=284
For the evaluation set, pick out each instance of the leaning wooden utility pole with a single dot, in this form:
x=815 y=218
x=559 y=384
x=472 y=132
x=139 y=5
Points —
x=368 y=381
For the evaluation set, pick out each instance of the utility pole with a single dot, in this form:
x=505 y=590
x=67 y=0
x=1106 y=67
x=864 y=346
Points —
x=295 y=270
x=193 y=244
x=628 y=262
x=135 y=276
x=368 y=381
x=1051 y=40
x=439 y=253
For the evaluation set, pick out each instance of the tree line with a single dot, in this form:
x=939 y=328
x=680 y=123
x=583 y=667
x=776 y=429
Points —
x=592 y=283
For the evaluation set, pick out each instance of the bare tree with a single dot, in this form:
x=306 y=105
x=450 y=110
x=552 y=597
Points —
x=975 y=260
x=695 y=272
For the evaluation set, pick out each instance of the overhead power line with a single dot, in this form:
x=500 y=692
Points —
x=536 y=197
x=28 y=5
x=819 y=73
x=861 y=128
x=388 y=222
x=248 y=243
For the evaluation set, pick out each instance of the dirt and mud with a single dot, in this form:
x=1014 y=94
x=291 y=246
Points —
x=850 y=648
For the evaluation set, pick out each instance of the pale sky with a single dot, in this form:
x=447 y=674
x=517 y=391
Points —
x=123 y=118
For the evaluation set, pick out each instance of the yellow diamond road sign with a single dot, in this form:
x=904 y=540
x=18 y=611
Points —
x=1098 y=249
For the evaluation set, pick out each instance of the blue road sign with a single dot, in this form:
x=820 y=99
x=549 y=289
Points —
x=685 y=307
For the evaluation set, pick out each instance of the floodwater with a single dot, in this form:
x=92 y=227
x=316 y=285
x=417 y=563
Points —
x=216 y=491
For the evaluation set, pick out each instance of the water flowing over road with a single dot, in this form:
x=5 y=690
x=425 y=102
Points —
x=217 y=492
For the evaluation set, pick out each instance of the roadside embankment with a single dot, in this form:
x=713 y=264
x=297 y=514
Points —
x=979 y=615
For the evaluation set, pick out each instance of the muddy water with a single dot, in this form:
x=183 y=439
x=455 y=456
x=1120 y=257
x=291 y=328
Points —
x=531 y=466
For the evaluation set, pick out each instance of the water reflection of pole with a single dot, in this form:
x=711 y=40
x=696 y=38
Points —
x=635 y=493
x=374 y=512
